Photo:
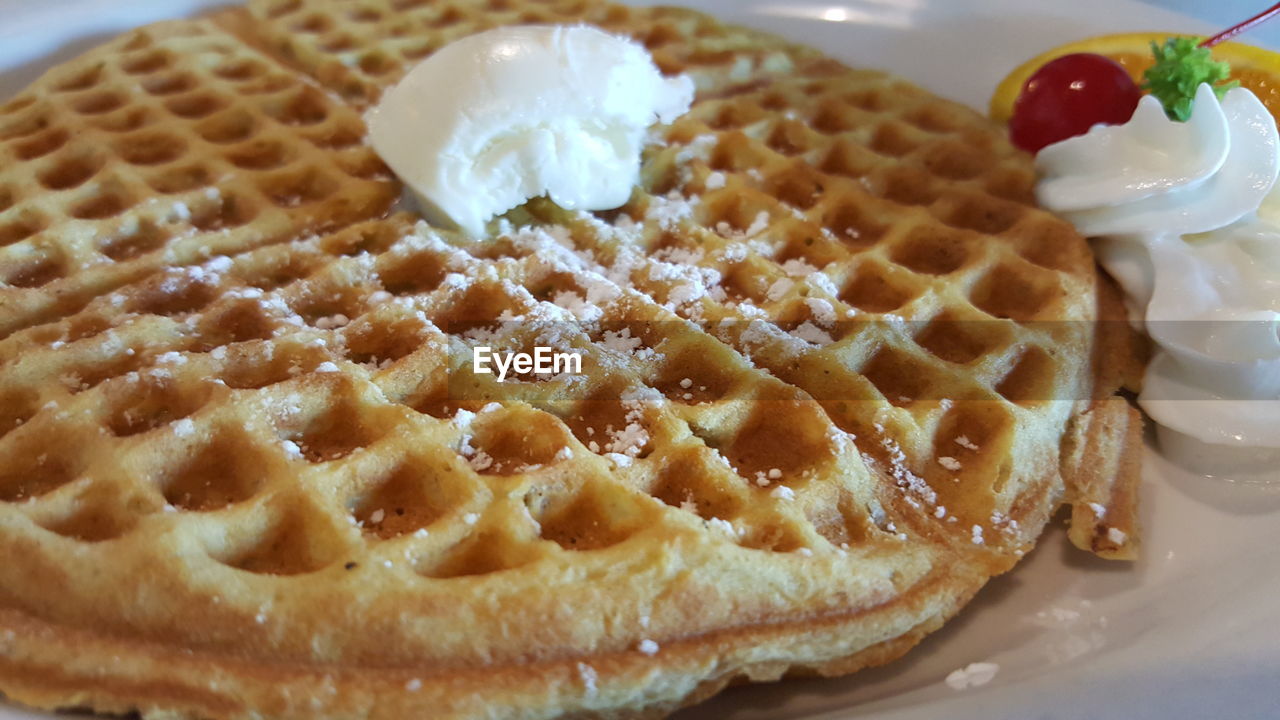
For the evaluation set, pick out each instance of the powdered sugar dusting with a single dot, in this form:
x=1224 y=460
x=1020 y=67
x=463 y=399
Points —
x=972 y=675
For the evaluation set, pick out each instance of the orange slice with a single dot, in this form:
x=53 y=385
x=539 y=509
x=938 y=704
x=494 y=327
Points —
x=1255 y=68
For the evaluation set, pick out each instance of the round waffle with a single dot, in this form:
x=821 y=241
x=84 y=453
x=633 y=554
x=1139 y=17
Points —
x=837 y=371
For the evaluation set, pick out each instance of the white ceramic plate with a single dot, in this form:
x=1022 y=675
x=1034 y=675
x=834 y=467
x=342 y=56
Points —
x=1190 y=631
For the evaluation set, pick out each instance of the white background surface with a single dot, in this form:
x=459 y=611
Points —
x=1191 y=631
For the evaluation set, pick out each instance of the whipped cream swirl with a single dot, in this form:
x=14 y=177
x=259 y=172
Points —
x=1183 y=216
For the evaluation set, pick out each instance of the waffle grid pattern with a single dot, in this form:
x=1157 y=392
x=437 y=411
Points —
x=329 y=424
x=361 y=48
x=927 y=323
x=166 y=147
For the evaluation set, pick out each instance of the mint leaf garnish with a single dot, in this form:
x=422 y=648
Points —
x=1181 y=65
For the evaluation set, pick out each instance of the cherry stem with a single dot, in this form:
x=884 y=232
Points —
x=1235 y=30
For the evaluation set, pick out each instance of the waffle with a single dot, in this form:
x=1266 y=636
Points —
x=838 y=371
x=165 y=147
x=358 y=49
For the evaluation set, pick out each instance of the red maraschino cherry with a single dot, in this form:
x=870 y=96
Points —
x=1069 y=95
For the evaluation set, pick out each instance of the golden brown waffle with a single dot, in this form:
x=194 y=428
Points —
x=361 y=48
x=166 y=147
x=838 y=371
x=848 y=237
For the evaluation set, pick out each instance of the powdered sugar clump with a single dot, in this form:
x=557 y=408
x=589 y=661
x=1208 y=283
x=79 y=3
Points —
x=972 y=675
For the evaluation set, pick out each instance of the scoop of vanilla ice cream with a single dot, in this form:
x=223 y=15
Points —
x=514 y=113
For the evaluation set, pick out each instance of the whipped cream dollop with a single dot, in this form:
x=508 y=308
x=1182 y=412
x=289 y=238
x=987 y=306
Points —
x=1184 y=217
x=497 y=118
